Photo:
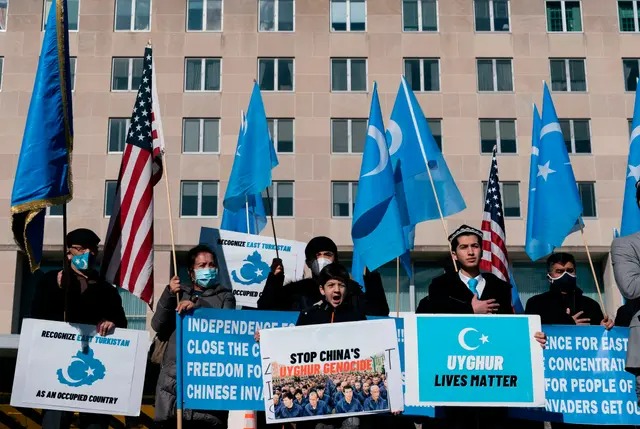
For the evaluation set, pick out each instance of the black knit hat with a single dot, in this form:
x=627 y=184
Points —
x=83 y=237
x=320 y=244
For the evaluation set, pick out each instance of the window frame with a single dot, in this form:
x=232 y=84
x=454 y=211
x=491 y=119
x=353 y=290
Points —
x=572 y=132
x=129 y=74
x=563 y=11
x=636 y=17
x=492 y=23
x=204 y=18
x=201 y=122
x=592 y=185
x=276 y=75
x=273 y=197
x=275 y=18
x=133 y=15
x=567 y=71
x=350 y=74
x=45 y=16
x=348 y=18
x=501 y=184
x=106 y=193
x=497 y=122
x=421 y=18
x=275 y=135
x=200 y=185
x=4 y=25
x=128 y=125
x=352 y=199
x=494 y=72
x=203 y=75
x=422 y=64
x=637 y=61
x=349 y=136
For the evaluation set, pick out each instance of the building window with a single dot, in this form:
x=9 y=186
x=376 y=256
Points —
x=419 y=15
x=343 y=198
x=204 y=15
x=577 y=135
x=563 y=16
x=510 y=193
x=436 y=130
x=500 y=132
x=628 y=16
x=348 y=74
x=110 y=187
x=568 y=75
x=54 y=211
x=200 y=135
x=588 y=197
x=133 y=15
x=118 y=128
x=630 y=71
x=73 y=10
x=495 y=75
x=280 y=199
x=348 y=15
x=275 y=15
x=348 y=135
x=126 y=74
x=1 y=69
x=275 y=74
x=492 y=15
x=202 y=74
x=630 y=125
x=72 y=69
x=423 y=74
x=281 y=131
x=198 y=199
x=4 y=8
x=135 y=310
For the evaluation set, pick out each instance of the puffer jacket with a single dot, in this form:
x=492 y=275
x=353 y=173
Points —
x=164 y=323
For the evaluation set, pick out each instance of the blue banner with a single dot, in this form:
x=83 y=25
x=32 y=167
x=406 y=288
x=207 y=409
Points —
x=585 y=380
x=221 y=360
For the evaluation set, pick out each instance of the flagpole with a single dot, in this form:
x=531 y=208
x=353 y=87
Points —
x=246 y=208
x=398 y=287
x=593 y=270
x=426 y=163
x=273 y=225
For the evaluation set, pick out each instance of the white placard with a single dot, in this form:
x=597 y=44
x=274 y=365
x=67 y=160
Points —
x=62 y=366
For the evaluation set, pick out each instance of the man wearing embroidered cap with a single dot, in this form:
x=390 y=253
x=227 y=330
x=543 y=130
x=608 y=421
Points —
x=468 y=291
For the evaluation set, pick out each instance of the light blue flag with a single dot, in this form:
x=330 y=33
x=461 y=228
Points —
x=239 y=220
x=255 y=158
x=516 y=303
x=534 y=248
x=413 y=148
x=43 y=174
x=557 y=206
x=376 y=229
x=630 y=211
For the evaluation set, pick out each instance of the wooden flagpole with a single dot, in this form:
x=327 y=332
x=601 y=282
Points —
x=593 y=270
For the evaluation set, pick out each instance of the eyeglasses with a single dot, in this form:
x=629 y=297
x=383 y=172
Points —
x=78 y=249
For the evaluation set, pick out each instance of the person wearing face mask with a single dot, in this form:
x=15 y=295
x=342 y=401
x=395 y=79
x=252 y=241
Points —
x=564 y=303
x=89 y=300
x=302 y=294
x=204 y=291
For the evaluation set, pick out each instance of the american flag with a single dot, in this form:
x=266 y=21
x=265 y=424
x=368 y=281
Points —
x=494 y=249
x=128 y=254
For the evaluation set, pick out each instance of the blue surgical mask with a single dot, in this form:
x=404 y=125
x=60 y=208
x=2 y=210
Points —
x=81 y=262
x=206 y=277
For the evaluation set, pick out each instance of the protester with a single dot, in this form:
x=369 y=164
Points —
x=205 y=291
x=89 y=300
x=564 y=303
x=470 y=292
x=302 y=294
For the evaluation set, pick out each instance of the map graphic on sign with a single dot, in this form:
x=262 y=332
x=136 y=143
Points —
x=83 y=370
x=254 y=271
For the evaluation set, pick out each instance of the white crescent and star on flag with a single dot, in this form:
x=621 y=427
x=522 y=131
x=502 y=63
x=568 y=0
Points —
x=462 y=340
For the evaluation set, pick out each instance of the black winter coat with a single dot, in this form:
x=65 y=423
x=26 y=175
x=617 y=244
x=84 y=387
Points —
x=323 y=312
x=552 y=306
x=448 y=294
x=302 y=294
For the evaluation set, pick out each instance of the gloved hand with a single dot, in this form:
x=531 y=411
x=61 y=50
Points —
x=276 y=266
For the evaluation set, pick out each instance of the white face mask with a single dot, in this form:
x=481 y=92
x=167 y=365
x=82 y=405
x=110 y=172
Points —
x=319 y=264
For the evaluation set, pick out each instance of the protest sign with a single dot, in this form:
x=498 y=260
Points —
x=245 y=261
x=332 y=359
x=68 y=367
x=585 y=380
x=221 y=367
x=473 y=361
